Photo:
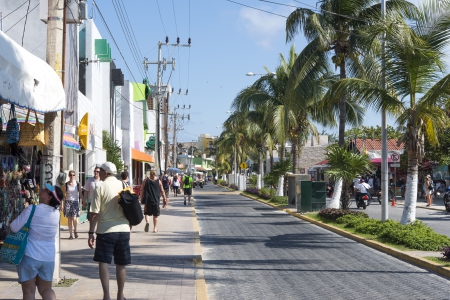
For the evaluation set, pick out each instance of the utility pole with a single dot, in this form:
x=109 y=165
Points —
x=166 y=131
x=161 y=63
x=53 y=120
x=174 y=141
x=384 y=148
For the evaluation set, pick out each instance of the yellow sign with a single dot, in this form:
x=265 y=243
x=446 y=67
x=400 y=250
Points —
x=243 y=165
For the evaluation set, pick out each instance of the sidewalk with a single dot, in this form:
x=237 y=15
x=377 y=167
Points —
x=162 y=263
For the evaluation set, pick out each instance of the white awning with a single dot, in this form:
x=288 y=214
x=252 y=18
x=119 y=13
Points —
x=28 y=81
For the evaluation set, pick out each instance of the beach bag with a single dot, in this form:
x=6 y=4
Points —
x=15 y=244
x=12 y=128
x=131 y=207
x=31 y=135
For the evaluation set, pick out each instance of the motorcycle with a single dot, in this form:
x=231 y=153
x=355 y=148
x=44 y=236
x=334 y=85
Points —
x=390 y=195
x=363 y=201
x=447 y=199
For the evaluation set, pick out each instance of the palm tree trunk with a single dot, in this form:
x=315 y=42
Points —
x=259 y=184
x=409 y=210
x=345 y=197
x=294 y=153
x=282 y=153
x=334 y=203
x=342 y=108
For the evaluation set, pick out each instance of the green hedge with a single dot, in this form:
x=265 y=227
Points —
x=416 y=236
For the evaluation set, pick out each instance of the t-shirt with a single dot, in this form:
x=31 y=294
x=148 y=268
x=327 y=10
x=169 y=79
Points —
x=187 y=186
x=43 y=228
x=363 y=187
x=106 y=204
x=90 y=186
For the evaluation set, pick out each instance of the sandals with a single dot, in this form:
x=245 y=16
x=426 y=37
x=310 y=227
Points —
x=76 y=235
x=70 y=238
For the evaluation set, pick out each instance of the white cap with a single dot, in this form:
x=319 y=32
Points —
x=109 y=168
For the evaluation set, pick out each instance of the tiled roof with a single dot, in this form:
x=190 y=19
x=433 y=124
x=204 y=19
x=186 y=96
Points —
x=370 y=144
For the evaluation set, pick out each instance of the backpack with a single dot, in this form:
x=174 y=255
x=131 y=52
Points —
x=165 y=182
x=130 y=205
x=431 y=186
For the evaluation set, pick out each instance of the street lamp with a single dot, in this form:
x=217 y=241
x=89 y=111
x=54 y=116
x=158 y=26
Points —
x=253 y=74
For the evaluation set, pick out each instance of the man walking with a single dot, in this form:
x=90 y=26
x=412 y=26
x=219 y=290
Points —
x=89 y=188
x=187 y=187
x=151 y=191
x=166 y=182
x=112 y=229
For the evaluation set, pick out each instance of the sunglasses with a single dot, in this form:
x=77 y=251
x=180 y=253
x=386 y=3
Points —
x=71 y=175
x=96 y=171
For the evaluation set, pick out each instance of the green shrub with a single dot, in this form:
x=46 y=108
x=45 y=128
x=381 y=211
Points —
x=266 y=193
x=415 y=236
x=222 y=182
x=280 y=200
x=334 y=213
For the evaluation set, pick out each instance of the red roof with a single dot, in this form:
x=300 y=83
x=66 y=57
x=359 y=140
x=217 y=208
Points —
x=323 y=162
x=370 y=144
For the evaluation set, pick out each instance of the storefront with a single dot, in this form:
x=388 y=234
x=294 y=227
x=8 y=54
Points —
x=34 y=88
x=141 y=163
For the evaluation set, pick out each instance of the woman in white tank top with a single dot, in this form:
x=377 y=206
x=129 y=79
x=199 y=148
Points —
x=71 y=206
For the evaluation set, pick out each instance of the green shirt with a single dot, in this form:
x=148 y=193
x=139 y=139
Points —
x=187 y=186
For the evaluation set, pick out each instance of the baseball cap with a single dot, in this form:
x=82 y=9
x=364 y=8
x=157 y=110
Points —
x=109 y=168
x=51 y=188
x=428 y=176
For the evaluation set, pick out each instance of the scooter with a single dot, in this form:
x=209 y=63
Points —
x=363 y=201
x=447 y=199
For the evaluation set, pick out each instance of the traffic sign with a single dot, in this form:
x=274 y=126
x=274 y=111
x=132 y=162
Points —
x=395 y=157
x=243 y=165
x=395 y=165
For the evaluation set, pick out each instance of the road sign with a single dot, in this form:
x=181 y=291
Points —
x=243 y=165
x=395 y=165
x=395 y=157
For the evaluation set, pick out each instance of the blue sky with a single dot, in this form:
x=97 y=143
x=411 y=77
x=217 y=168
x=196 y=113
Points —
x=228 y=41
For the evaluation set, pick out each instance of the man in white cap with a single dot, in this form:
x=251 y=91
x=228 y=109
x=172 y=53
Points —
x=112 y=229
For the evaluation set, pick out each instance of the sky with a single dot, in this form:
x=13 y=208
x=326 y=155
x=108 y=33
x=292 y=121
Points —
x=228 y=41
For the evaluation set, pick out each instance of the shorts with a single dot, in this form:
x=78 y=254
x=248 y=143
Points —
x=152 y=210
x=114 y=243
x=166 y=191
x=429 y=192
x=29 y=268
x=188 y=191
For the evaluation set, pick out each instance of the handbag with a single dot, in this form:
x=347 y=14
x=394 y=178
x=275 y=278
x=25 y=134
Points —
x=15 y=244
x=31 y=135
x=12 y=128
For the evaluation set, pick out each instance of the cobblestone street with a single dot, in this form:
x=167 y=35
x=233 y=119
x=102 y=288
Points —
x=252 y=251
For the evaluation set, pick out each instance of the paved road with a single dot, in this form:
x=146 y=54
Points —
x=252 y=251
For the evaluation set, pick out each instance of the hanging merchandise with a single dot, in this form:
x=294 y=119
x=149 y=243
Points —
x=31 y=135
x=12 y=129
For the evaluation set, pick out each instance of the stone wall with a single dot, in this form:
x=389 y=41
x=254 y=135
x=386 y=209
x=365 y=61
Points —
x=309 y=156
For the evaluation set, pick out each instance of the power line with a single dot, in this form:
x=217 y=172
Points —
x=127 y=36
x=22 y=18
x=162 y=22
x=175 y=17
x=26 y=18
x=114 y=40
x=14 y=10
x=266 y=11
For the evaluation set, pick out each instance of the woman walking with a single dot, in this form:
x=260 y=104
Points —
x=150 y=193
x=175 y=185
x=429 y=190
x=38 y=262
x=72 y=204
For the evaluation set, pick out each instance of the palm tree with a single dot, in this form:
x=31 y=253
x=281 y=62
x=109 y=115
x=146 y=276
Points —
x=288 y=100
x=417 y=88
x=336 y=28
x=344 y=167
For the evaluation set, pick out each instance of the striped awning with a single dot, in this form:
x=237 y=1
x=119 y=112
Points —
x=70 y=142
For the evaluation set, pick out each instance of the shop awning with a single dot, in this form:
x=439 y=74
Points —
x=70 y=142
x=27 y=80
x=378 y=160
x=141 y=156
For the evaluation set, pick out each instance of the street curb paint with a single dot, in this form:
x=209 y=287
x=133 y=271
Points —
x=200 y=282
x=415 y=260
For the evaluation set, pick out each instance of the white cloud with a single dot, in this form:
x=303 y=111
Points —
x=262 y=26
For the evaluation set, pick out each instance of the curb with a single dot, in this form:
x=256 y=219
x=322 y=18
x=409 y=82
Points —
x=415 y=260
x=200 y=282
